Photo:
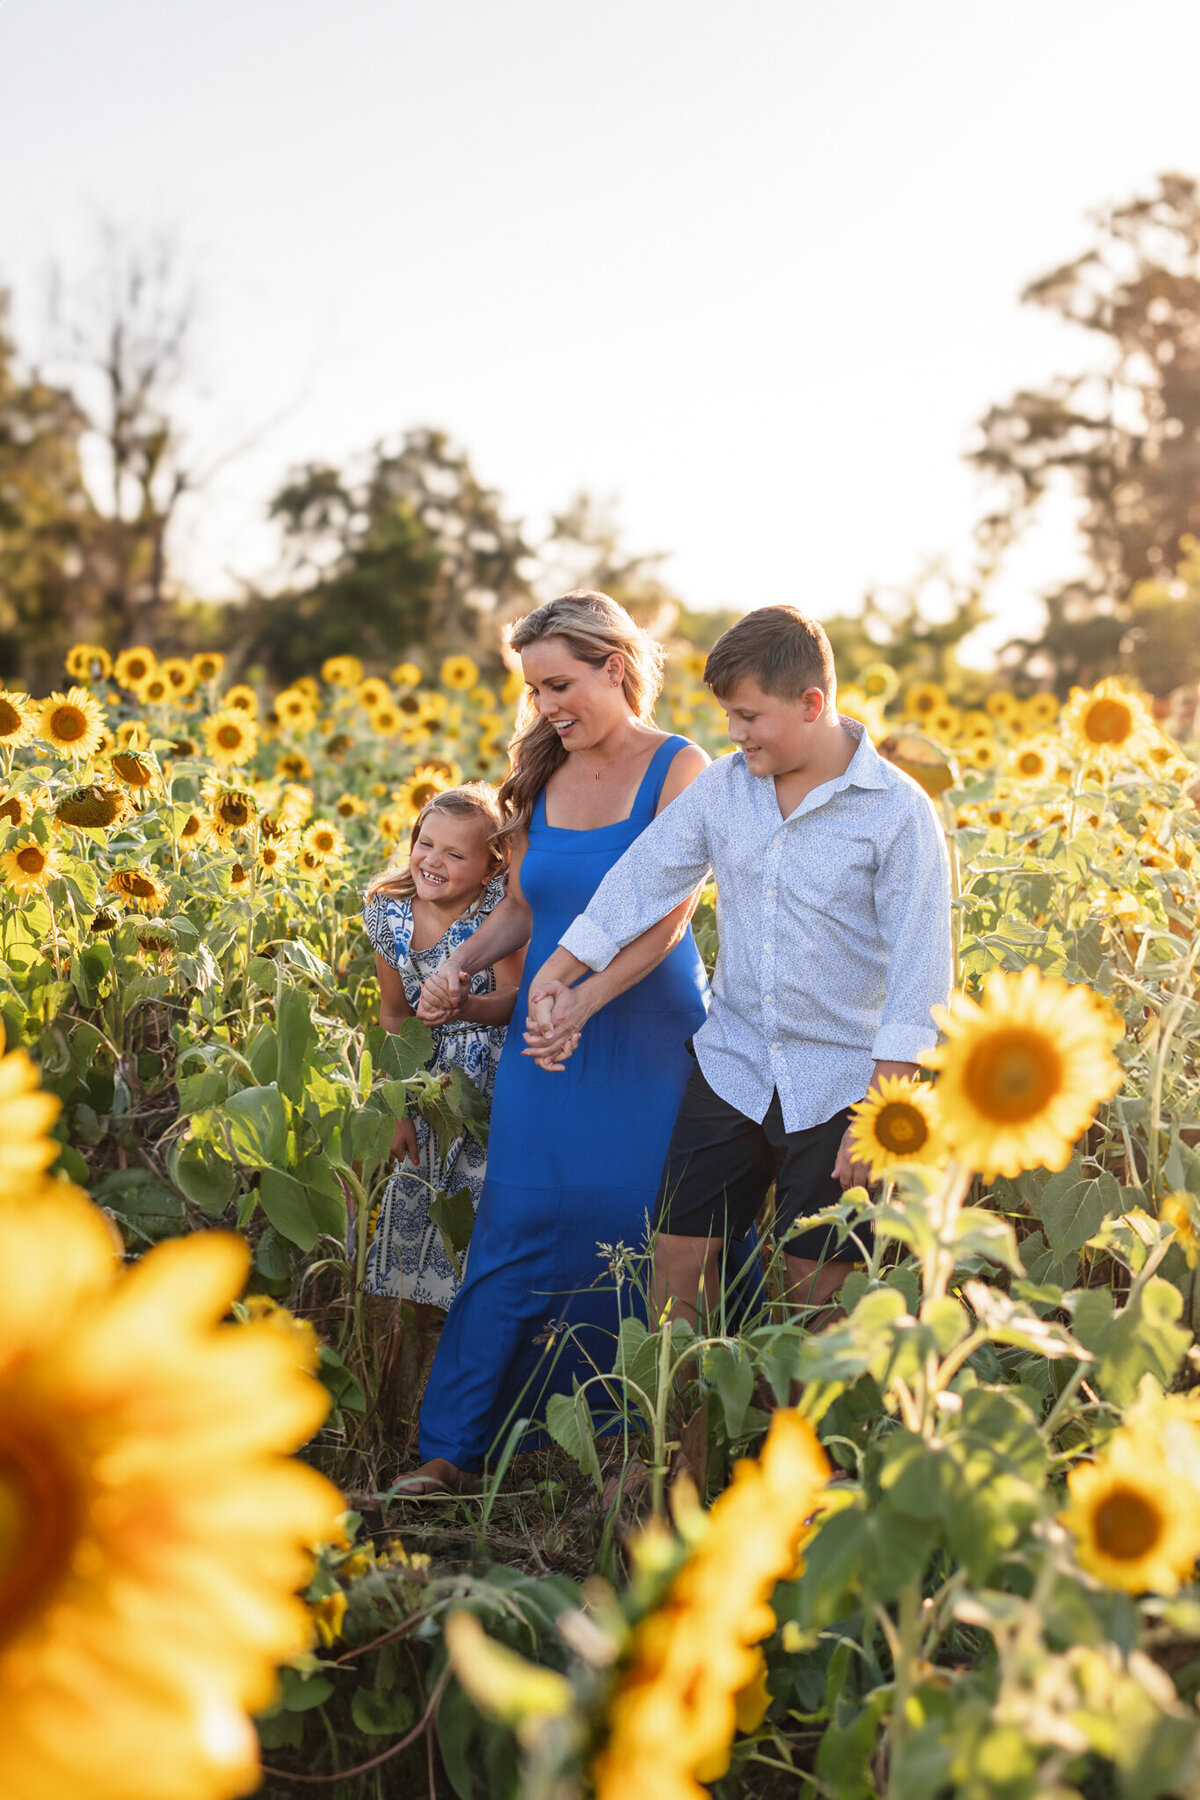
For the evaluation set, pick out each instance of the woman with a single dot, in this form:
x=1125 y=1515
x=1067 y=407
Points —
x=574 y=1157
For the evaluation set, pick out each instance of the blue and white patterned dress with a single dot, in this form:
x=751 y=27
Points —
x=407 y=1258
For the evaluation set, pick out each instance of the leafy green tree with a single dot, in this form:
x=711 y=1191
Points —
x=1123 y=433
x=47 y=523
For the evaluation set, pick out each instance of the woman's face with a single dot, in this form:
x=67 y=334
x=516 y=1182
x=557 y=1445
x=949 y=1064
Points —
x=449 y=862
x=581 y=702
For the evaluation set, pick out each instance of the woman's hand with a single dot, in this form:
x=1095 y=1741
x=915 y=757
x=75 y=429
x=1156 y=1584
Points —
x=442 y=994
x=558 y=1014
x=404 y=1141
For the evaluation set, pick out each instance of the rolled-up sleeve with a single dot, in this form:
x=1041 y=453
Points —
x=660 y=869
x=912 y=906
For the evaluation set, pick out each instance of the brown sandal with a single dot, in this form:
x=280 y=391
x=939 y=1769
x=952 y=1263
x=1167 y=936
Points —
x=436 y=1477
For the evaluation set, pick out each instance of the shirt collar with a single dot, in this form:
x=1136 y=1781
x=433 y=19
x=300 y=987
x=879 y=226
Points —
x=866 y=765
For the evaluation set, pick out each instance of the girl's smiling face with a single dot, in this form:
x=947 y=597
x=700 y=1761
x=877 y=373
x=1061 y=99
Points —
x=449 y=862
x=582 y=703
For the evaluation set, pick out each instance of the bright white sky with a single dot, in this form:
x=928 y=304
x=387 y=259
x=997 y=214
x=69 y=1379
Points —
x=750 y=266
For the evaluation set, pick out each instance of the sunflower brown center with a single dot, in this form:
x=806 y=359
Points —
x=1031 y=762
x=1127 y=1524
x=31 y=860
x=11 y=810
x=137 y=669
x=229 y=737
x=1012 y=1075
x=10 y=719
x=68 y=723
x=40 y=1518
x=1108 y=722
x=901 y=1128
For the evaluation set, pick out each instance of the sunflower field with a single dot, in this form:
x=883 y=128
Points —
x=938 y=1545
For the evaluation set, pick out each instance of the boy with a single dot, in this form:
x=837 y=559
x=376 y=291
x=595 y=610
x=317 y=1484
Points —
x=834 y=925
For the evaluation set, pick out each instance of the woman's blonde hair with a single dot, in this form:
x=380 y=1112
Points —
x=475 y=799
x=592 y=627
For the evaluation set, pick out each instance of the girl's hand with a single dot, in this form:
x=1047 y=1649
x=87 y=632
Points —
x=404 y=1141
x=442 y=995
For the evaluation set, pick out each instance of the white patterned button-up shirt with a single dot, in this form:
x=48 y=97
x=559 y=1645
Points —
x=834 y=927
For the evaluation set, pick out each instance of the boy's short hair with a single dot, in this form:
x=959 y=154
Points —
x=778 y=647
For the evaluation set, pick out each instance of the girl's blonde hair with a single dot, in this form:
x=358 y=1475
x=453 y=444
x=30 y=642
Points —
x=592 y=627
x=475 y=799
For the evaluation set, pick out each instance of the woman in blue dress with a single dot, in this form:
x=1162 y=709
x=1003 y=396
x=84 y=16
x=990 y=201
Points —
x=574 y=1156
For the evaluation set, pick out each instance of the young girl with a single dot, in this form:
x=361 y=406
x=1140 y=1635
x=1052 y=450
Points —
x=414 y=918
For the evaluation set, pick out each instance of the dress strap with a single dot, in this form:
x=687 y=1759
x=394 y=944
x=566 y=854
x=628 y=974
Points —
x=650 y=791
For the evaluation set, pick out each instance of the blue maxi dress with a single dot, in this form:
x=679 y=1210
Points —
x=573 y=1161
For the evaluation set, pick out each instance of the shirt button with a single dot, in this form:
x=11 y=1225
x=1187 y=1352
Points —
x=774 y=1046
x=770 y=999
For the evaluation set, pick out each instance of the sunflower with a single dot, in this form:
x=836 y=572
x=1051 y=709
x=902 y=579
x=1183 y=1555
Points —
x=88 y=662
x=387 y=720
x=231 y=737
x=413 y=736
x=1107 y=722
x=29 y=866
x=16 y=809
x=1043 y=708
x=207 y=665
x=924 y=697
x=420 y=789
x=1001 y=705
x=191 y=831
x=134 y=734
x=242 y=699
x=1136 y=1524
x=410 y=705
x=406 y=674
x=18 y=719
x=896 y=1123
x=239 y=878
x=975 y=724
x=1021 y=1075
x=94 y=808
x=459 y=672
x=156 y=690
x=1035 y=759
x=140 y=887
x=310 y=862
x=294 y=766
x=276 y=853
x=137 y=1425
x=72 y=722
x=341 y=671
x=325 y=839
x=26 y=1116
x=482 y=697
x=981 y=753
x=133 y=665
x=154 y=938
x=490 y=724
x=441 y=765
x=104 y=920
x=391 y=823
x=878 y=681
x=291 y=704
x=179 y=673
x=695 y=1670
x=943 y=723
x=134 y=768
x=230 y=809
x=1178 y=1210
x=852 y=703
x=349 y=806
x=432 y=707
x=514 y=687
x=372 y=692
x=296 y=806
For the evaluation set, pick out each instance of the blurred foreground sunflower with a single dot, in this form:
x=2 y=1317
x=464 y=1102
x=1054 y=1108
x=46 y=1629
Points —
x=29 y=866
x=1021 y=1074
x=88 y=662
x=895 y=1124
x=406 y=674
x=73 y=722
x=1136 y=1524
x=241 y=699
x=342 y=671
x=695 y=1671
x=207 y=665
x=27 y=1113
x=155 y=1529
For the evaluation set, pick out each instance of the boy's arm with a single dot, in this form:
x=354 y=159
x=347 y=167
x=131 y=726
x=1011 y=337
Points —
x=912 y=906
x=660 y=870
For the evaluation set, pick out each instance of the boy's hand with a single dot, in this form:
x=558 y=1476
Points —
x=846 y=1170
x=404 y=1141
